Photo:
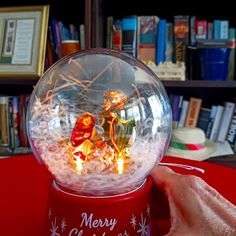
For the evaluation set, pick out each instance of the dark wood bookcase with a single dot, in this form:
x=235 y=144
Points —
x=212 y=92
x=69 y=12
x=94 y=12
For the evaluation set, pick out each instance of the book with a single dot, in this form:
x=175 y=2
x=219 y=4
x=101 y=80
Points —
x=74 y=35
x=203 y=119
x=209 y=30
x=11 y=123
x=109 y=24
x=224 y=29
x=201 y=29
x=216 y=123
x=4 y=121
x=56 y=38
x=129 y=35
x=16 y=120
x=147 y=37
x=117 y=35
x=211 y=120
x=231 y=135
x=183 y=113
x=24 y=98
x=225 y=121
x=231 y=67
x=181 y=35
x=82 y=36
x=169 y=51
x=192 y=31
x=221 y=29
x=161 y=41
x=193 y=112
x=50 y=58
x=217 y=29
x=176 y=102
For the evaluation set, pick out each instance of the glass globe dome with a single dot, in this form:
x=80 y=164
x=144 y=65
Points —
x=99 y=120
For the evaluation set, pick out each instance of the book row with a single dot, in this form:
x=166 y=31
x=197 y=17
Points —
x=13 y=137
x=151 y=38
x=218 y=122
x=59 y=34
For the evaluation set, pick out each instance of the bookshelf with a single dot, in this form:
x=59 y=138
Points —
x=93 y=14
x=210 y=91
x=69 y=12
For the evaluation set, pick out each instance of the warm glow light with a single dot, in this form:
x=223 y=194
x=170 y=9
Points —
x=97 y=147
x=79 y=166
x=120 y=165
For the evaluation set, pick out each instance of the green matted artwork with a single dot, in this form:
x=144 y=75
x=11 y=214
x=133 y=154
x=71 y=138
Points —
x=23 y=35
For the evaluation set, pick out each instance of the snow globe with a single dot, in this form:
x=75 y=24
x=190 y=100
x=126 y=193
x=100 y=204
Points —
x=99 y=120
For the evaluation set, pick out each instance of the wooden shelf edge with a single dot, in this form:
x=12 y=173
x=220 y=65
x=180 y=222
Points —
x=200 y=84
x=18 y=81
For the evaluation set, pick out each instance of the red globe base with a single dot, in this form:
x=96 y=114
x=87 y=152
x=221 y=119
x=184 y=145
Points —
x=122 y=215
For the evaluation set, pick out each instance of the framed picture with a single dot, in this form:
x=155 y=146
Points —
x=23 y=36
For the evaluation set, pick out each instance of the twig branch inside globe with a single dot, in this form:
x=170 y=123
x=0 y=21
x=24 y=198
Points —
x=81 y=68
x=98 y=76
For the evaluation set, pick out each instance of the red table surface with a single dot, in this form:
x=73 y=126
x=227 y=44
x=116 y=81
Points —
x=24 y=193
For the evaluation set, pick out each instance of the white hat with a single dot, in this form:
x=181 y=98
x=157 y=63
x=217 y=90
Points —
x=190 y=143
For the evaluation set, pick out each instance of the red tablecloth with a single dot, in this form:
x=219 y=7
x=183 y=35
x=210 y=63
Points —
x=24 y=190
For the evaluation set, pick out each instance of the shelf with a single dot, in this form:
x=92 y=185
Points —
x=18 y=81
x=200 y=84
x=166 y=83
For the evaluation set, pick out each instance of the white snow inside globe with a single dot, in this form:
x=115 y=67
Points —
x=99 y=120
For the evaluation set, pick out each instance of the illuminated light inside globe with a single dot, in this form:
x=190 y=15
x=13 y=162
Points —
x=99 y=120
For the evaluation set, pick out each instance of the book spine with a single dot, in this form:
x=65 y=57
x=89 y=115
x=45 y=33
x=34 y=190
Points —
x=50 y=52
x=224 y=29
x=117 y=36
x=231 y=135
x=23 y=136
x=210 y=30
x=203 y=119
x=16 y=120
x=147 y=38
x=231 y=68
x=192 y=31
x=73 y=32
x=169 y=52
x=129 y=35
x=176 y=102
x=216 y=124
x=10 y=123
x=211 y=121
x=201 y=29
x=193 y=112
x=217 y=28
x=181 y=32
x=82 y=36
x=109 y=31
x=161 y=41
x=225 y=121
x=56 y=37
x=4 y=127
x=183 y=113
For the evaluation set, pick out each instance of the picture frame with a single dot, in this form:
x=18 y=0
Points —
x=23 y=37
